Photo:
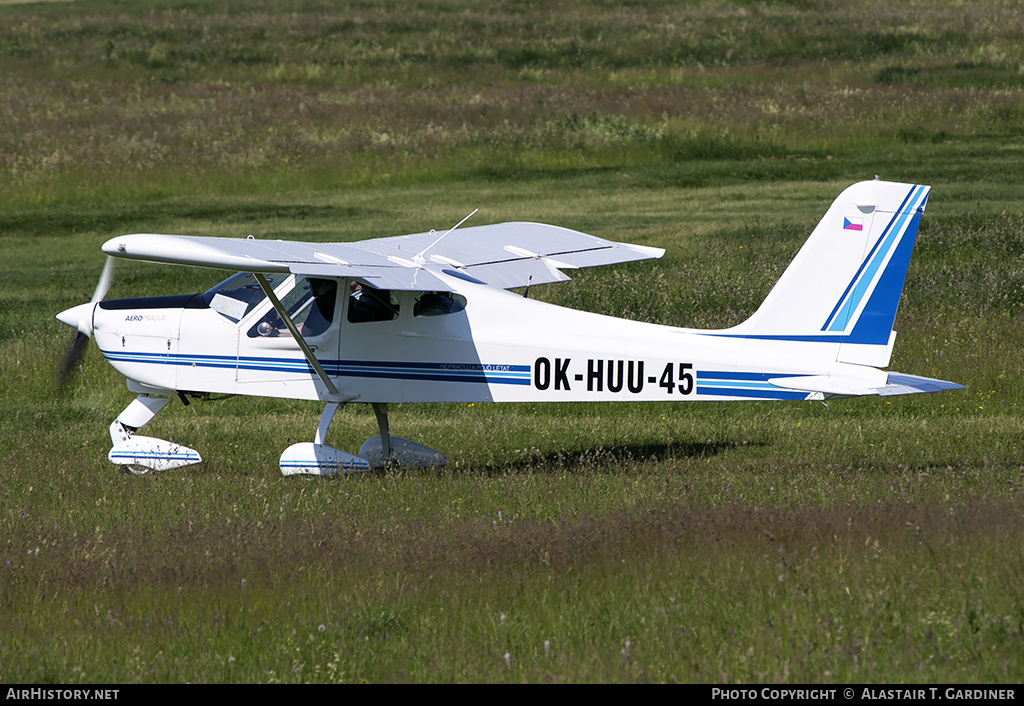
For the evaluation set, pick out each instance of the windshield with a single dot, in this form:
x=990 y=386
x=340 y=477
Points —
x=237 y=295
x=310 y=305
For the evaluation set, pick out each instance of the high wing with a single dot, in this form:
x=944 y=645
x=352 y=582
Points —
x=504 y=255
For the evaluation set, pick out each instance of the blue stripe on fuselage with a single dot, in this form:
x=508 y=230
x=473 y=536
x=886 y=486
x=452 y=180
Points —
x=493 y=373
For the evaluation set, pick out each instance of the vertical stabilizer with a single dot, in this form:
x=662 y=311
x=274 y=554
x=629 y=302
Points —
x=844 y=285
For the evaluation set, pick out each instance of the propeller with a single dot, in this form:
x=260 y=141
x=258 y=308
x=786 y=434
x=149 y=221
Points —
x=80 y=318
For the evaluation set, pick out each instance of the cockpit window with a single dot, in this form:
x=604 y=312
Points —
x=237 y=295
x=438 y=304
x=310 y=305
x=366 y=303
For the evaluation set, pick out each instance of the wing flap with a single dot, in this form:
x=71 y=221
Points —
x=517 y=273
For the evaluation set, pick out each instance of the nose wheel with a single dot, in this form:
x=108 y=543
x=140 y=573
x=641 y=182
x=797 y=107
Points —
x=141 y=454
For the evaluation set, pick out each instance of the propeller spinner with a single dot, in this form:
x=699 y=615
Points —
x=80 y=318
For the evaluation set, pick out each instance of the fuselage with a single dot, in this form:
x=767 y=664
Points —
x=498 y=347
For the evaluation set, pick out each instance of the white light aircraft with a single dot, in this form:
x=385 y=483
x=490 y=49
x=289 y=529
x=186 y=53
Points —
x=428 y=318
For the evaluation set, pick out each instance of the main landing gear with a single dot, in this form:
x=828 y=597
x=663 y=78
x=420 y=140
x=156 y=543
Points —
x=319 y=459
x=140 y=454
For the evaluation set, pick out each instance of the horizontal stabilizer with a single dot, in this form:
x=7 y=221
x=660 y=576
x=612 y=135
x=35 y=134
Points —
x=825 y=384
x=847 y=386
x=901 y=384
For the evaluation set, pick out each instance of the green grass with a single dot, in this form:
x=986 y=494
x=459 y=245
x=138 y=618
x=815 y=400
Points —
x=872 y=540
x=267 y=99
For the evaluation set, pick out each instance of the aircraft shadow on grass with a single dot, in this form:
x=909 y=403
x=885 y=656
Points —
x=610 y=458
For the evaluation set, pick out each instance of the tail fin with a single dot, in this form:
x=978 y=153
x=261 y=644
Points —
x=844 y=285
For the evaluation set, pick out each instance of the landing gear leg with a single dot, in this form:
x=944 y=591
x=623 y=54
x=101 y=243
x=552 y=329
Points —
x=326 y=417
x=136 y=415
x=380 y=410
x=387 y=450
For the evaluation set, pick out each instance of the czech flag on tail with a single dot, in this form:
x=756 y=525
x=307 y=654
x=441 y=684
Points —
x=853 y=224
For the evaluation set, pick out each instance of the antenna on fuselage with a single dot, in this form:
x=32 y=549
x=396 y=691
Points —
x=419 y=257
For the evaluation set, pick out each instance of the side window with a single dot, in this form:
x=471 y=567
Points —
x=310 y=305
x=438 y=304
x=368 y=304
x=237 y=295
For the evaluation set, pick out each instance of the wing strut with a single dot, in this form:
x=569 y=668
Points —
x=279 y=308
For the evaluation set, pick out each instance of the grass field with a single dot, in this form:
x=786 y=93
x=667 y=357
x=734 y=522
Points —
x=873 y=540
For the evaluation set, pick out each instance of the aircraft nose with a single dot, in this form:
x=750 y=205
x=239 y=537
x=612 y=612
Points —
x=78 y=317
